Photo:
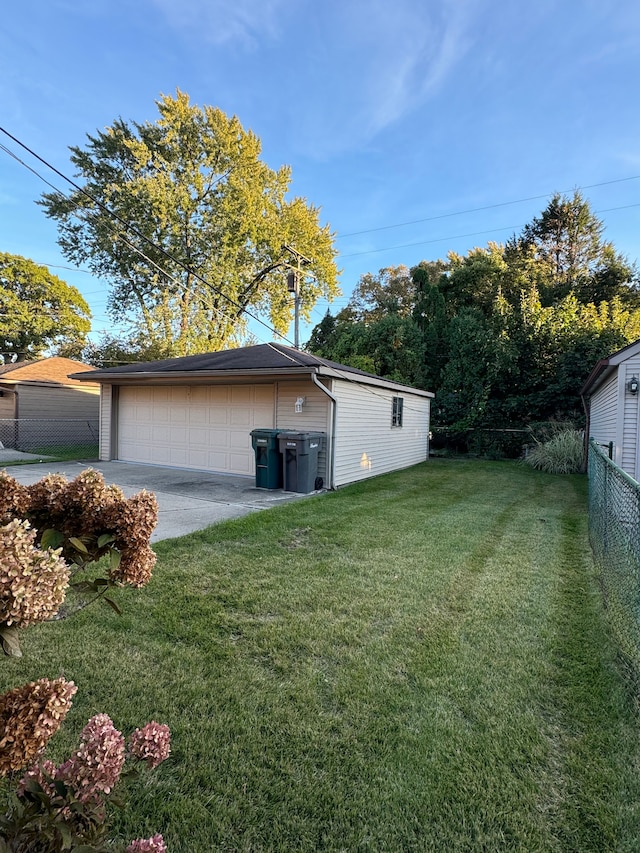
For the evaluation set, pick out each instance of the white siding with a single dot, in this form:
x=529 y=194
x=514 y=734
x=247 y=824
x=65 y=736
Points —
x=314 y=417
x=366 y=443
x=603 y=413
x=629 y=427
x=106 y=404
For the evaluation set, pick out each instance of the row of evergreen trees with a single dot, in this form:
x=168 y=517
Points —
x=506 y=335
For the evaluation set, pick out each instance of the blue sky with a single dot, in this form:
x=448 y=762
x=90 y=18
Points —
x=417 y=126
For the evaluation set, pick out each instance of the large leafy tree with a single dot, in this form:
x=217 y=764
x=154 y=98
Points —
x=563 y=251
x=188 y=224
x=39 y=312
x=507 y=334
x=390 y=291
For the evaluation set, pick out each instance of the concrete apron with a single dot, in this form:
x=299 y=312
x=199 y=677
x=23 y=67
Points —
x=187 y=500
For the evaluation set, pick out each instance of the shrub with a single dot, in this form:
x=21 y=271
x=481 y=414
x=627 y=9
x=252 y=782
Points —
x=562 y=454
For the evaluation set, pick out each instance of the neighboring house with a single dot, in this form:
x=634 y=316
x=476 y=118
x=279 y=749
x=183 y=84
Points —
x=198 y=412
x=41 y=390
x=612 y=403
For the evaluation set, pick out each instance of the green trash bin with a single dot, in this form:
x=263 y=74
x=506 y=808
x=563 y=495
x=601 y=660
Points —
x=300 y=452
x=268 y=458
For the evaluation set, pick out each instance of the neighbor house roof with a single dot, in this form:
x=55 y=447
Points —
x=54 y=370
x=263 y=359
x=606 y=366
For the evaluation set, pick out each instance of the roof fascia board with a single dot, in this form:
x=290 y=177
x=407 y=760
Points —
x=220 y=376
x=379 y=382
x=192 y=375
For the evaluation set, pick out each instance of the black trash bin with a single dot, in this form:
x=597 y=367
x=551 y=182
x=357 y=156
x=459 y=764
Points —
x=268 y=458
x=300 y=452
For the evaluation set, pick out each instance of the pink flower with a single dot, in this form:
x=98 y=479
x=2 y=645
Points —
x=155 y=844
x=97 y=765
x=151 y=743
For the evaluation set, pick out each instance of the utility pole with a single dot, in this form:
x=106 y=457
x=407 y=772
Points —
x=293 y=285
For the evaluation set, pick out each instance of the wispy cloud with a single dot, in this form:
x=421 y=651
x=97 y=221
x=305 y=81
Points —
x=386 y=61
x=220 y=22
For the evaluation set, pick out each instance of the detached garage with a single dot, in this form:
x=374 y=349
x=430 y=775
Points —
x=199 y=411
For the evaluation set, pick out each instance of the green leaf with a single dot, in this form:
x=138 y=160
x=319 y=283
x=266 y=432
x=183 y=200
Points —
x=114 y=560
x=78 y=544
x=105 y=539
x=113 y=605
x=67 y=838
x=9 y=641
x=51 y=539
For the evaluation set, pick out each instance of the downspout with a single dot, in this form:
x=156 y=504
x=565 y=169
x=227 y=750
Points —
x=332 y=437
x=587 y=412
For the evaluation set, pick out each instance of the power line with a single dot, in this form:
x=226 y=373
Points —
x=470 y=234
x=129 y=228
x=485 y=207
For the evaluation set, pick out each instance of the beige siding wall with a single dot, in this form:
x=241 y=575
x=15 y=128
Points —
x=51 y=401
x=366 y=443
x=7 y=404
x=603 y=414
x=314 y=417
x=106 y=420
x=628 y=435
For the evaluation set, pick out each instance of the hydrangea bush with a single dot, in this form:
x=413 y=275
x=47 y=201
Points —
x=52 y=531
x=49 y=533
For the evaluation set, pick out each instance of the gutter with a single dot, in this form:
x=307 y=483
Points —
x=332 y=437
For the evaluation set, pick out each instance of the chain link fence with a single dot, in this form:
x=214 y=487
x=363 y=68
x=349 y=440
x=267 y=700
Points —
x=50 y=437
x=614 y=531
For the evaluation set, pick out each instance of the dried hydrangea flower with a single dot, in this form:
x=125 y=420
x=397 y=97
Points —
x=97 y=765
x=135 y=567
x=29 y=716
x=41 y=773
x=151 y=743
x=33 y=582
x=132 y=520
x=155 y=844
x=14 y=498
x=46 y=492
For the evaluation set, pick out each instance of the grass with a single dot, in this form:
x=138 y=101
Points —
x=415 y=663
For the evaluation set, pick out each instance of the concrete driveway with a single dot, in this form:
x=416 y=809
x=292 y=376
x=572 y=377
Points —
x=187 y=500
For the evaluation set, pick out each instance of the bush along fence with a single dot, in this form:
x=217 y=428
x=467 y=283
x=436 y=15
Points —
x=614 y=531
x=50 y=437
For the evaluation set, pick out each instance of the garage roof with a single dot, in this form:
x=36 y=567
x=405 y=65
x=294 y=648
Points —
x=271 y=358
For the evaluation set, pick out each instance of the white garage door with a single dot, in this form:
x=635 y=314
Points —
x=193 y=426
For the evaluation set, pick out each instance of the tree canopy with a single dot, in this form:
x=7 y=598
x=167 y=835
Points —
x=504 y=335
x=188 y=224
x=39 y=312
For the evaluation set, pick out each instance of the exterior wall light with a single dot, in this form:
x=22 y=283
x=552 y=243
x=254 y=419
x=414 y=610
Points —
x=633 y=384
x=301 y=401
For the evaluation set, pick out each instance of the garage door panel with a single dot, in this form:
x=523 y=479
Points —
x=201 y=427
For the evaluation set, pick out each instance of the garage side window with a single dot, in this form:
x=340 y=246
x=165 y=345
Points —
x=396 y=412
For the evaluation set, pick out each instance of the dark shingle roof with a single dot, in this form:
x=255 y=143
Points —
x=276 y=357
x=267 y=358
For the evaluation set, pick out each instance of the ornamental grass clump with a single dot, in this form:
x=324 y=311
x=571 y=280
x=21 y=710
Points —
x=562 y=454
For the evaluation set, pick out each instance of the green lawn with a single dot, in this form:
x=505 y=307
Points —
x=416 y=663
